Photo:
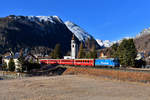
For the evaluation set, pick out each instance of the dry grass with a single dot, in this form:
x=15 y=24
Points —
x=72 y=87
x=10 y=73
x=120 y=75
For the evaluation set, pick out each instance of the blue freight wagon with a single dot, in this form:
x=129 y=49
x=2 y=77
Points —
x=111 y=62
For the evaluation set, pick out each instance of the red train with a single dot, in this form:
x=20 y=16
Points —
x=78 y=62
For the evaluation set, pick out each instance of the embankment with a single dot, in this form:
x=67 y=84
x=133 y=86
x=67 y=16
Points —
x=112 y=74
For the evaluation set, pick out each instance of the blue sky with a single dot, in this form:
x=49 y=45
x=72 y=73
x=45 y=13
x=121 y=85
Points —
x=104 y=19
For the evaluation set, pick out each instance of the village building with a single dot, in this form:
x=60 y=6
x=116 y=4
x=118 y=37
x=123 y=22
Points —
x=28 y=57
x=101 y=54
x=140 y=55
x=7 y=58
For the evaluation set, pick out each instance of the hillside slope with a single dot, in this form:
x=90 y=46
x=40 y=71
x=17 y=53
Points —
x=81 y=34
x=18 y=32
x=142 y=41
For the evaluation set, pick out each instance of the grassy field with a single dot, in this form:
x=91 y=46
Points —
x=72 y=87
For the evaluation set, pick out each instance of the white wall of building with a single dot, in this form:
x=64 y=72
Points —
x=17 y=65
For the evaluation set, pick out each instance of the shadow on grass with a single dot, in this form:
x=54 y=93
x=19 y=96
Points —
x=48 y=70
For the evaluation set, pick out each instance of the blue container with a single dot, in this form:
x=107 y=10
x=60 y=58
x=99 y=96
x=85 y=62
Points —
x=107 y=62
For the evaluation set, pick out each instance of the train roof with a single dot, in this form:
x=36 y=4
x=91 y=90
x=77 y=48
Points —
x=78 y=59
x=63 y=59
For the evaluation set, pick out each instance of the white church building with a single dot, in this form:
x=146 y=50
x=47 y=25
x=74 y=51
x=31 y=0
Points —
x=74 y=49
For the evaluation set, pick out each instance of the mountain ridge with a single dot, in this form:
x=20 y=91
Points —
x=35 y=32
x=18 y=32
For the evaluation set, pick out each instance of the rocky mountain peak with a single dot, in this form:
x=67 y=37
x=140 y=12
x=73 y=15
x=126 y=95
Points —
x=146 y=31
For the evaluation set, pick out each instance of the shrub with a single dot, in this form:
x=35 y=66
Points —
x=11 y=65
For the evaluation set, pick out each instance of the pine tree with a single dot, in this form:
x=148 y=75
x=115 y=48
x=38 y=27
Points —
x=52 y=54
x=88 y=44
x=81 y=53
x=56 y=54
x=21 y=61
x=93 y=52
x=88 y=54
x=114 y=50
x=127 y=52
x=11 y=65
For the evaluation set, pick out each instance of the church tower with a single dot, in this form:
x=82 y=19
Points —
x=74 y=48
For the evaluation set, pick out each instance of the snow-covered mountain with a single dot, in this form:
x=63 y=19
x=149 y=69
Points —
x=105 y=43
x=108 y=43
x=51 y=19
x=81 y=34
